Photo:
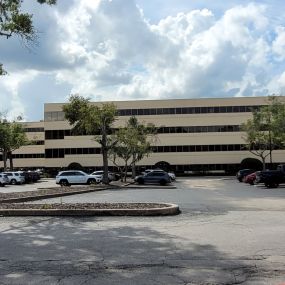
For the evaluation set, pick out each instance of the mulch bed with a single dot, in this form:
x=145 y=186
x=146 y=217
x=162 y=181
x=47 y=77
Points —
x=82 y=206
x=17 y=204
x=41 y=192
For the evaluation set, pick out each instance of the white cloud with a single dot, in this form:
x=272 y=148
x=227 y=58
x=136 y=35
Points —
x=278 y=45
x=9 y=88
x=108 y=50
x=218 y=54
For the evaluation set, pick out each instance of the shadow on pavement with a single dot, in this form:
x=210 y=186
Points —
x=77 y=251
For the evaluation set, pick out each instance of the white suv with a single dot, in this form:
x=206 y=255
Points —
x=3 y=179
x=100 y=173
x=15 y=177
x=69 y=177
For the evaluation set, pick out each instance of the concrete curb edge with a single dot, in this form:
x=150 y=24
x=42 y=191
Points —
x=47 y=196
x=171 y=209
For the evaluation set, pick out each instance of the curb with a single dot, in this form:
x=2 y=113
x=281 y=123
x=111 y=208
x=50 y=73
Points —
x=136 y=186
x=47 y=196
x=170 y=209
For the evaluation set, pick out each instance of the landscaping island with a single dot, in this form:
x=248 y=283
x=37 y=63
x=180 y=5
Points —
x=11 y=204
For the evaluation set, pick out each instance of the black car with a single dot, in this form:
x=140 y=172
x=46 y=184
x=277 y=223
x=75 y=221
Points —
x=243 y=172
x=160 y=177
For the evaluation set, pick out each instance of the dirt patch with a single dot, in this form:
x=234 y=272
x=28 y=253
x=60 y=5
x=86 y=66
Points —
x=50 y=191
x=83 y=206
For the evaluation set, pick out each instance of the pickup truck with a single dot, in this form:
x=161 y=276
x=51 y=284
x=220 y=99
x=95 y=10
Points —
x=271 y=178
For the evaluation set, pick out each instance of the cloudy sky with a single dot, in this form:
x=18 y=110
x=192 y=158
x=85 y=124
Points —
x=142 y=49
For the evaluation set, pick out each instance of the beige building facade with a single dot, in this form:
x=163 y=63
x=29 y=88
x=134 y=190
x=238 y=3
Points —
x=193 y=135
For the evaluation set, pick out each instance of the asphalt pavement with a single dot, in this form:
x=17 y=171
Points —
x=228 y=233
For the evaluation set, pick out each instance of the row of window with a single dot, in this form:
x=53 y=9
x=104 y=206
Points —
x=34 y=130
x=199 y=129
x=186 y=110
x=60 y=134
x=26 y=155
x=59 y=115
x=61 y=152
x=37 y=142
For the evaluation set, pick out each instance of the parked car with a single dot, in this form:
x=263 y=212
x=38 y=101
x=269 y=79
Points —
x=272 y=178
x=160 y=177
x=73 y=177
x=242 y=173
x=171 y=174
x=3 y=179
x=30 y=176
x=111 y=175
x=250 y=178
x=15 y=177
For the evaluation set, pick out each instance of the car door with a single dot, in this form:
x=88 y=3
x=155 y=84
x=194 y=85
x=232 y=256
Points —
x=80 y=178
x=151 y=177
x=71 y=177
x=9 y=175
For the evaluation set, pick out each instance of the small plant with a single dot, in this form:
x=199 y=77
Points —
x=46 y=206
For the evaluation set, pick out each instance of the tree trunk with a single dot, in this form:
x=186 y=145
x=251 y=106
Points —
x=270 y=148
x=105 y=157
x=133 y=170
x=105 y=166
x=122 y=174
x=263 y=163
x=126 y=172
x=11 y=160
x=4 y=155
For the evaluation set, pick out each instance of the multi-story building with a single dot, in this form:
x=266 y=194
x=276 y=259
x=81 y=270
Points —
x=193 y=135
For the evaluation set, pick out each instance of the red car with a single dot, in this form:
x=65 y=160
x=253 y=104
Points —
x=250 y=178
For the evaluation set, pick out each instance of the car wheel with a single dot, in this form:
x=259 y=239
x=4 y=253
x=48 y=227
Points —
x=140 y=181
x=2 y=185
x=91 y=181
x=271 y=185
x=64 y=183
x=162 y=182
x=13 y=182
x=240 y=179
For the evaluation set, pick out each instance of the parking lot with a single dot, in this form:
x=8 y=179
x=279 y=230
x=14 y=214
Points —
x=227 y=233
x=42 y=183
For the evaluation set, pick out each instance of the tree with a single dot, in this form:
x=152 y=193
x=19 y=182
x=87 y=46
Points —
x=92 y=120
x=265 y=131
x=133 y=143
x=18 y=138
x=4 y=141
x=277 y=108
x=12 y=137
x=15 y=22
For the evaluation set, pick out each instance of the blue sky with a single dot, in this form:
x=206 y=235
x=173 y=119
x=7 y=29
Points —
x=140 y=49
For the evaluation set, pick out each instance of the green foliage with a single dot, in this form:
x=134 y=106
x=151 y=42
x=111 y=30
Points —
x=133 y=143
x=277 y=110
x=265 y=131
x=14 y=22
x=46 y=206
x=90 y=119
x=12 y=137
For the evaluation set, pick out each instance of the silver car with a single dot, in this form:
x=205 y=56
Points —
x=15 y=177
x=100 y=173
x=3 y=179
